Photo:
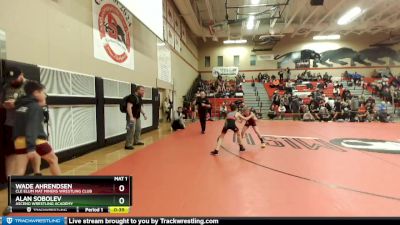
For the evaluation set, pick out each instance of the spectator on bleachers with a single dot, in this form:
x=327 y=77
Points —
x=275 y=83
x=285 y=101
x=324 y=114
x=319 y=77
x=272 y=112
x=338 y=109
x=276 y=98
x=280 y=74
x=287 y=71
x=371 y=111
x=362 y=99
x=308 y=116
x=314 y=108
x=295 y=108
x=327 y=78
x=223 y=110
x=281 y=111
x=346 y=94
x=362 y=113
x=345 y=75
x=383 y=115
x=354 y=104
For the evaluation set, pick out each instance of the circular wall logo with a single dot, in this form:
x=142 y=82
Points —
x=371 y=145
x=114 y=33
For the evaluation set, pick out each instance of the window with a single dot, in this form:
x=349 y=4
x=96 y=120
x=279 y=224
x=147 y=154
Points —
x=207 y=61
x=220 y=61
x=253 y=59
x=236 y=60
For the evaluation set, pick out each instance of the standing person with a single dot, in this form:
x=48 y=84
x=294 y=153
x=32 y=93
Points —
x=203 y=105
x=230 y=124
x=251 y=122
x=167 y=106
x=28 y=132
x=134 y=109
x=287 y=74
x=280 y=73
x=12 y=90
x=295 y=106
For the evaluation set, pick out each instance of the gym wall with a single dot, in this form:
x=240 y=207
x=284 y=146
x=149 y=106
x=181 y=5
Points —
x=287 y=45
x=84 y=109
x=59 y=34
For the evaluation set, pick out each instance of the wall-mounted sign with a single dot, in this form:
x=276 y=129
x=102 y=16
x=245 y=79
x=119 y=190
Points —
x=112 y=37
x=225 y=71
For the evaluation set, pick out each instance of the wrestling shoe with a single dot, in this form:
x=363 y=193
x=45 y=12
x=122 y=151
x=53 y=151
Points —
x=215 y=152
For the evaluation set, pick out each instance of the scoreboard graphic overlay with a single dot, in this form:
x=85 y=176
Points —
x=88 y=194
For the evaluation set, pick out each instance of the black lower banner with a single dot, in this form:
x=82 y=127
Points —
x=223 y=221
x=16 y=220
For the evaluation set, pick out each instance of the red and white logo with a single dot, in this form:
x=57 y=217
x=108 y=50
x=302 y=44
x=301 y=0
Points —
x=114 y=33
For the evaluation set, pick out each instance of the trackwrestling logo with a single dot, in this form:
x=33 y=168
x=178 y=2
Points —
x=371 y=145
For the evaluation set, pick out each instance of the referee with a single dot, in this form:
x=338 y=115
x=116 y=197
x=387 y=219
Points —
x=203 y=105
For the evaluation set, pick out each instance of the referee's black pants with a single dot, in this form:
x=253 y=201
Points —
x=203 y=119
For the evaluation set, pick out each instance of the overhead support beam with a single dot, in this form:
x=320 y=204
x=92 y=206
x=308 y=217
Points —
x=209 y=10
x=387 y=20
x=305 y=21
x=186 y=10
x=258 y=5
x=335 y=26
x=242 y=29
x=330 y=12
x=293 y=16
x=390 y=5
x=256 y=29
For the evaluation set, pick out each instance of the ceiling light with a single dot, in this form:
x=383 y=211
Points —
x=250 y=23
x=235 y=41
x=241 y=41
x=349 y=16
x=255 y=2
x=327 y=37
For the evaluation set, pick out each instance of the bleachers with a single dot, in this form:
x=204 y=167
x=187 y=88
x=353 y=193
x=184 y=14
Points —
x=300 y=88
x=217 y=102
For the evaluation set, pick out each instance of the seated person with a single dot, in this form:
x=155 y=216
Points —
x=308 y=116
x=324 y=114
x=275 y=83
x=272 y=112
x=177 y=120
x=314 y=109
x=383 y=116
x=362 y=113
x=281 y=111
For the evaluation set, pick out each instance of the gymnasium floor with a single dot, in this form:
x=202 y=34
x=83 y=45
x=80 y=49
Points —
x=300 y=172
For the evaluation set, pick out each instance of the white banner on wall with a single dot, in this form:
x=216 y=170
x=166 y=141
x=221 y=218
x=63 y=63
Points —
x=112 y=37
x=164 y=63
x=265 y=57
x=225 y=71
